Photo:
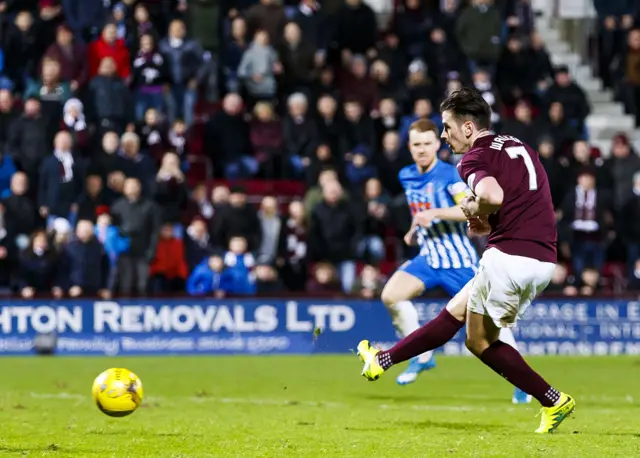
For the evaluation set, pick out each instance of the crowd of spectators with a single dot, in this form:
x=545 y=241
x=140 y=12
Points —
x=110 y=111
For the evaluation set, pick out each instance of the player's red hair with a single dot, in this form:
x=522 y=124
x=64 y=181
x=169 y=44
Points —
x=424 y=125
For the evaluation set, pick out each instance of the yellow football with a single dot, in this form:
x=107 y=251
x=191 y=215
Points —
x=118 y=392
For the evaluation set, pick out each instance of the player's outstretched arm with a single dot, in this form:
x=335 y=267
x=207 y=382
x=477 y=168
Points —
x=424 y=218
x=488 y=198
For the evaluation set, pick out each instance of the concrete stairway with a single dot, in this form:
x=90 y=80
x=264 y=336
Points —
x=607 y=116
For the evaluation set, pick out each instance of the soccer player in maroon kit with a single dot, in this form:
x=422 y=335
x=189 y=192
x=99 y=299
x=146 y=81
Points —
x=512 y=203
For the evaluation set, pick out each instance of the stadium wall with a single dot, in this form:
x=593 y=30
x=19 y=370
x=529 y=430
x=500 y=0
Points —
x=287 y=326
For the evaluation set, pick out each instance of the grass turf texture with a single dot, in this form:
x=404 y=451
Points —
x=312 y=406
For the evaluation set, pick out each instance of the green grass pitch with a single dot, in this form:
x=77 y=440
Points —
x=275 y=406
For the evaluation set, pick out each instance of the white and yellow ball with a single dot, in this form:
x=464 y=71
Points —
x=118 y=392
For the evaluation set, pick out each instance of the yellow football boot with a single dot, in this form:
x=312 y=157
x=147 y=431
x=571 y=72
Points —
x=553 y=416
x=371 y=370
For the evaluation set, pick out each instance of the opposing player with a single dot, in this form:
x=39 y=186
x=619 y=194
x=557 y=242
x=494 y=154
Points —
x=512 y=202
x=447 y=258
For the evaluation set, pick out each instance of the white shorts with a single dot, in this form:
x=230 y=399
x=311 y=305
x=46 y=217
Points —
x=505 y=286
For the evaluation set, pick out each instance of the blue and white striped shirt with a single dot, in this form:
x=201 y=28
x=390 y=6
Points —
x=444 y=243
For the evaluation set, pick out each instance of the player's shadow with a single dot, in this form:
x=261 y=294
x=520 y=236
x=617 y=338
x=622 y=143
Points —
x=452 y=426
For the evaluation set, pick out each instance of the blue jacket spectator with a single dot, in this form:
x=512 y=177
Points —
x=7 y=169
x=85 y=17
x=210 y=276
x=240 y=266
x=113 y=242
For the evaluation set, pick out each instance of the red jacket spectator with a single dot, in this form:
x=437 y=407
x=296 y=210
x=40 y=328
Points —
x=108 y=46
x=170 y=260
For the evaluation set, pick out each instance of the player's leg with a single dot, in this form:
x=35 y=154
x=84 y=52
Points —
x=519 y=396
x=453 y=280
x=500 y=294
x=432 y=335
x=407 y=283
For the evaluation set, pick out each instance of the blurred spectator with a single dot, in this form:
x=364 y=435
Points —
x=585 y=221
x=267 y=280
x=170 y=190
x=371 y=247
x=271 y=226
x=412 y=25
x=234 y=49
x=553 y=124
x=71 y=56
x=539 y=63
x=314 y=194
x=91 y=199
x=358 y=130
x=324 y=280
x=355 y=30
x=629 y=229
x=84 y=268
x=580 y=160
x=185 y=60
x=113 y=242
x=8 y=114
x=152 y=135
x=21 y=216
x=22 y=49
x=300 y=132
x=614 y=19
x=204 y=23
x=139 y=220
x=74 y=122
x=29 y=140
x=227 y=140
x=267 y=15
x=299 y=59
x=357 y=85
x=571 y=96
x=198 y=243
x=238 y=219
x=7 y=257
x=555 y=170
x=369 y=284
x=479 y=31
x=137 y=165
x=258 y=68
x=514 y=77
x=110 y=98
x=168 y=271
x=84 y=18
x=292 y=248
x=60 y=181
x=622 y=165
x=523 y=126
x=52 y=92
x=334 y=233
x=150 y=77
x=38 y=267
x=211 y=276
x=267 y=141
x=109 y=46
x=359 y=168
x=390 y=162
x=7 y=170
x=60 y=232
x=240 y=264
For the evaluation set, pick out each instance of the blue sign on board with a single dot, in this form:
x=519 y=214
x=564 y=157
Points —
x=257 y=326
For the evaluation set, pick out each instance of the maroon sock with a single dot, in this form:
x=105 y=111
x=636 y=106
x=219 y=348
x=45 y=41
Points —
x=507 y=362
x=432 y=335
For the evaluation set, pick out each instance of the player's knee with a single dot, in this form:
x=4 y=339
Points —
x=390 y=297
x=476 y=345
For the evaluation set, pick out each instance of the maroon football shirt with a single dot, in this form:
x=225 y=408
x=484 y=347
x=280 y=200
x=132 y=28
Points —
x=525 y=225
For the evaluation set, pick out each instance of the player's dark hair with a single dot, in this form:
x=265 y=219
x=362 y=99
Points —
x=468 y=103
x=424 y=125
